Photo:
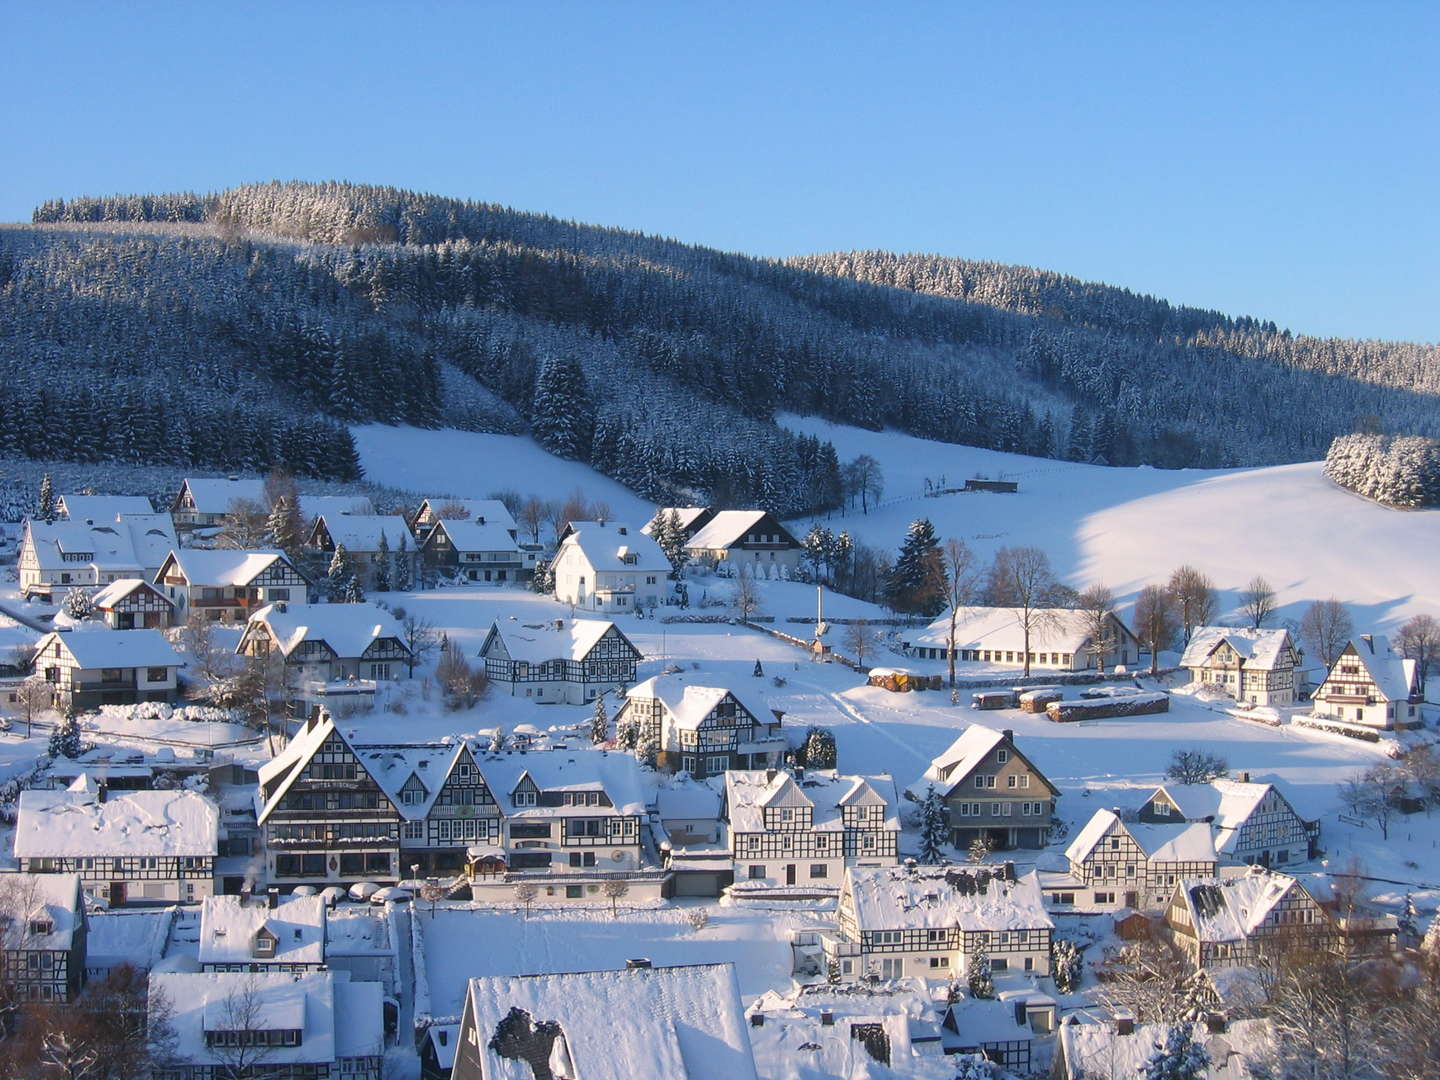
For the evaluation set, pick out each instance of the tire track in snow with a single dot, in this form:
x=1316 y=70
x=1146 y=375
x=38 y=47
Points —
x=856 y=715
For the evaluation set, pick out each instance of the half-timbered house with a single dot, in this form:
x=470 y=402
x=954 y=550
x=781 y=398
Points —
x=1254 y=666
x=703 y=730
x=43 y=934
x=262 y=933
x=133 y=604
x=930 y=921
x=59 y=556
x=204 y=502
x=100 y=507
x=228 y=586
x=1228 y=922
x=991 y=790
x=803 y=830
x=369 y=540
x=1371 y=685
x=1115 y=864
x=87 y=669
x=321 y=645
x=1251 y=823
x=477 y=551
x=746 y=539
x=1060 y=639
x=127 y=846
x=562 y=661
x=691 y=519
x=479 y=511
x=609 y=567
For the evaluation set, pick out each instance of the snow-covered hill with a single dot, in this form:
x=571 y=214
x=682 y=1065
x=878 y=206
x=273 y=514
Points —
x=1131 y=527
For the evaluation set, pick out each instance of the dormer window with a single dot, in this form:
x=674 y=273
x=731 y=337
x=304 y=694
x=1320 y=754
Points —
x=41 y=927
x=263 y=946
x=525 y=798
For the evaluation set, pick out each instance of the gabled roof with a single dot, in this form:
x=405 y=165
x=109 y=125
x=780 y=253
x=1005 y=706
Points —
x=729 y=527
x=936 y=897
x=76 y=822
x=1393 y=676
x=1064 y=630
x=1227 y=804
x=314 y=506
x=102 y=507
x=604 y=546
x=228 y=925
x=535 y=643
x=279 y=774
x=214 y=495
x=391 y=765
x=688 y=701
x=473 y=536
x=220 y=567
x=362 y=532
x=1181 y=842
x=687 y=516
x=117 y=591
x=1261 y=650
x=114 y=648
x=109 y=545
x=750 y=792
x=1230 y=909
x=1093 y=1050
x=955 y=764
x=349 y=629
x=561 y=771
x=27 y=899
x=486 y=511
x=679 y=1023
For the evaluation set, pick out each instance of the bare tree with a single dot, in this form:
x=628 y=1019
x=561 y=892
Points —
x=1196 y=767
x=1157 y=621
x=1194 y=596
x=245 y=525
x=1151 y=979
x=1419 y=640
x=866 y=479
x=1326 y=628
x=451 y=510
x=531 y=517
x=243 y=1044
x=1372 y=794
x=1257 y=602
x=615 y=889
x=962 y=580
x=747 y=595
x=462 y=684
x=1021 y=578
x=860 y=639
x=33 y=695
x=525 y=893
x=419 y=637
x=1097 y=607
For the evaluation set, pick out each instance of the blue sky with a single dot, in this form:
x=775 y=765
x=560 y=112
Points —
x=1272 y=159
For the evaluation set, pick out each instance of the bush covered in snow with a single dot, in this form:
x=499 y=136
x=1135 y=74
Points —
x=1397 y=470
x=108 y=715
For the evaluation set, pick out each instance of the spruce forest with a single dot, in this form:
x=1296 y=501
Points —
x=245 y=329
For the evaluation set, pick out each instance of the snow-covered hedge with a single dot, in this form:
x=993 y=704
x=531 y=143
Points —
x=1337 y=727
x=159 y=710
x=1397 y=470
x=1063 y=712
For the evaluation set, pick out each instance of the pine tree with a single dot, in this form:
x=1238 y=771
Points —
x=669 y=534
x=283 y=527
x=600 y=724
x=934 y=827
x=65 y=740
x=45 y=504
x=351 y=592
x=1181 y=1058
x=78 y=605
x=1066 y=965
x=561 y=412
x=339 y=574
x=382 y=564
x=916 y=582
x=544 y=581
x=402 y=565
x=982 y=983
x=820 y=748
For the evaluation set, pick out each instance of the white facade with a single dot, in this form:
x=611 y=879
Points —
x=1255 y=667
x=1370 y=685
x=609 y=567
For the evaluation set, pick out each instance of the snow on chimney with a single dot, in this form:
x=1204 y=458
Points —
x=638 y=963
x=1124 y=1022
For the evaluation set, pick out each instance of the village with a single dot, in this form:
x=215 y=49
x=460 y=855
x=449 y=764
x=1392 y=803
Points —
x=319 y=782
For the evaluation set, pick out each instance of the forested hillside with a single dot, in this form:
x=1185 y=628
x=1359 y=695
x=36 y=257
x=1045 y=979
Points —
x=245 y=324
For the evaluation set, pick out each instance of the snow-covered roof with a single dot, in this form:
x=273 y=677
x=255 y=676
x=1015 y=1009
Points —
x=213 y=495
x=1064 y=630
x=359 y=1019
x=1179 y=842
x=44 y=910
x=658 y=1023
x=116 y=591
x=114 y=648
x=220 y=567
x=487 y=511
x=475 y=536
x=687 y=800
x=280 y=772
x=689 y=701
x=135 y=936
x=958 y=760
x=78 y=822
x=1238 y=1053
x=617 y=774
x=228 y=925
x=1260 y=649
x=314 y=506
x=607 y=545
x=391 y=765
x=1392 y=675
x=687 y=516
x=1230 y=909
x=362 y=532
x=730 y=527
x=940 y=897
x=749 y=792
x=537 y=642
x=102 y=507
x=1227 y=804
x=130 y=542
x=349 y=629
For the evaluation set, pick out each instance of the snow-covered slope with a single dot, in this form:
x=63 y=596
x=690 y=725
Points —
x=472 y=465
x=1131 y=527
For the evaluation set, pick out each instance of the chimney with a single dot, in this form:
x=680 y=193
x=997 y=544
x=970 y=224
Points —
x=282 y=606
x=1009 y=735
x=757 y=1019
x=1124 y=1022
x=769 y=775
x=272 y=898
x=1020 y=1013
x=827 y=1018
x=1215 y=1023
x=623 y=531
x=1244 y=777
x=1369 y=641
x=638 y=963
x=100 y=790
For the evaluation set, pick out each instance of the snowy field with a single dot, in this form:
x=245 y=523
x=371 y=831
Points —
x=1131 y=527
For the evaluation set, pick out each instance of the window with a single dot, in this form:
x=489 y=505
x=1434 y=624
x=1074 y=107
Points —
x=525 y=798
x=414 y=830
x=757 y=873
x=819 y=870
x=941 y=962
x=156 y=674
x=1104 y=898
x=1162 y=809
x=1012 y=781
x=582 y=858
x=1025 y=780
x=574 y=892
x=1002 y=755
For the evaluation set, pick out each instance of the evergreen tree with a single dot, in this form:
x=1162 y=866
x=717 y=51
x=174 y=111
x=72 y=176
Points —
x=1066 y=965
x=383 y=568
x=1180 y=1058
x=600 y=723
x=352 y=592
x=934 y=827
x=78 y=605
x=339 y=574
x=283 y=527
x=674 y=542
x=916 y=583
x=982 y=983
x=65 y=740
x=820 y=748
x=45 y=504
x=560 y=411
x=402 y=565
x=544 y=580
x=980 y=848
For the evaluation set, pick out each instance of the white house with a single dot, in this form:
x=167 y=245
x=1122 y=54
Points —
x=1225 y=921
x=804 y=830
x=1370 y=685
x=354 y=645
x=262 y=933
x=746 y=539
x=1256 y=667
x=226 y=586
x=1250 y=822
x=101 y=507
x=1060 y=639
x=1116 y=864
x=127 y=846
x=56 y=557
x=638 y=1023
x=314 y=1024
x=704 y=730
x=203 y=502
x=90 y=668
x=564 y=662
x=928 y=922
x=610 y=567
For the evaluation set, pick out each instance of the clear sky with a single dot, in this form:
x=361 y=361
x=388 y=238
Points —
x=1264 y=158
